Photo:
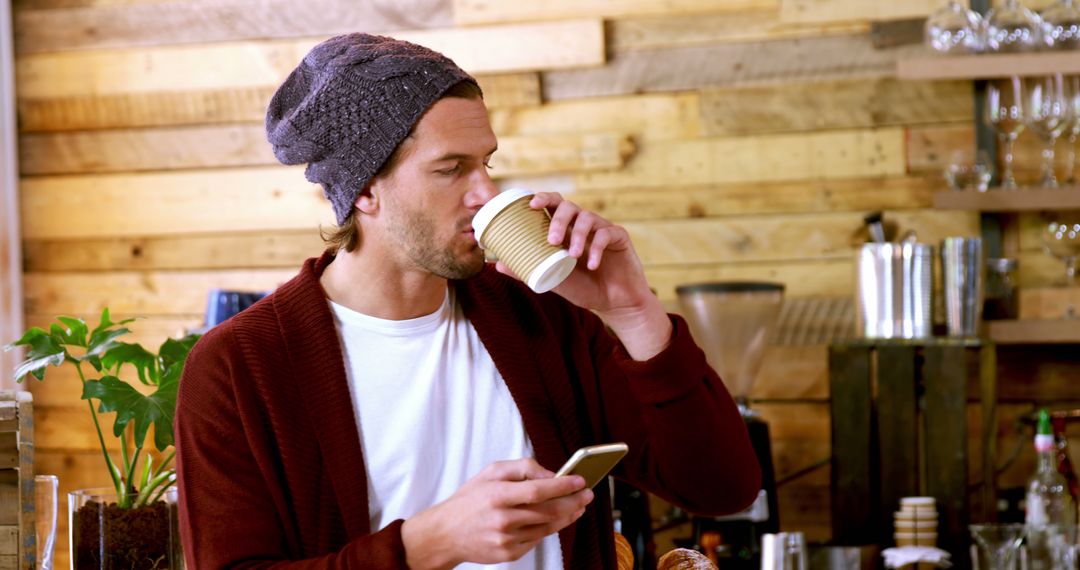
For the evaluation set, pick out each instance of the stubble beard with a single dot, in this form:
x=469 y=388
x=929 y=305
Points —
x=416 y=232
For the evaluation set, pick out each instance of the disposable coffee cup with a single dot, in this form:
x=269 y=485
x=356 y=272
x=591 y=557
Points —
x=517 y=235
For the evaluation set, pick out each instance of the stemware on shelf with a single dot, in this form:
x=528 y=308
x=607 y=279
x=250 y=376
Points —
x=1061 y=25
x=1046 y=114
x=954 y=29
x=1005 y=112
x=1072 y=95
x=998 y=544
x=969 y=169
x=1061 y=239
x=1012 y=28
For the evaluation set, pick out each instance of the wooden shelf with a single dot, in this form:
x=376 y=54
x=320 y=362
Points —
x=1059 y=331
x=988 y=66
x=1024 y=199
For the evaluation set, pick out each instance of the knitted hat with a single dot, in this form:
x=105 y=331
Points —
x=349 y=104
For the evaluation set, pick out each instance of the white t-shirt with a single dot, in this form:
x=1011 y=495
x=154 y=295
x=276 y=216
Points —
x=432 y=410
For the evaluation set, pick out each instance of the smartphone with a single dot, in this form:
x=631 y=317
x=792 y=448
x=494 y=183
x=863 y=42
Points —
x=593 y=462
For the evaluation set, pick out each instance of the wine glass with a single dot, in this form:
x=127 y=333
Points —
x=1012 y=28
x=1005 y=112
x=969 y=169
x=1046 y=113
x=954 y=29
x=1072 y=95
x=1061 y=26
x=998 y=543
x=1061 y=239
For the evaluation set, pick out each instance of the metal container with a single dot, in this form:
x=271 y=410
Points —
x=893 y=290
x=963 y=274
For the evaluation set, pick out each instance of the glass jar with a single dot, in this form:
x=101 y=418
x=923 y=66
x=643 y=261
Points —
x=103 y=536
x=1002 y=301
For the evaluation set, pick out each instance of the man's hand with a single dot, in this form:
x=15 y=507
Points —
x=609 y=278
x=497 y=516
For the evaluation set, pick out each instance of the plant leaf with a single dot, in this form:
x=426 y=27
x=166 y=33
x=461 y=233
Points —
x=143 y=360
x=36 y=366
x=156 y=410
x=44 y=350
x=101 y=341
x=27 y=338
x=173 y=355
x=76 y=331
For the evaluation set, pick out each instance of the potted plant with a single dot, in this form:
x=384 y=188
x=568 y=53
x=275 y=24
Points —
x=129 y=525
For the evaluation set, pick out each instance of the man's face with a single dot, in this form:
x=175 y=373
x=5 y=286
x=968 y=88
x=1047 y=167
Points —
x=427 y=201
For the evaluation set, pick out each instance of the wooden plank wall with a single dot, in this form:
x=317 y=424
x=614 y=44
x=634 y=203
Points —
x=736 y=139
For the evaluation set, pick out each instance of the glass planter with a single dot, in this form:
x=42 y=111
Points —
x=104 y=536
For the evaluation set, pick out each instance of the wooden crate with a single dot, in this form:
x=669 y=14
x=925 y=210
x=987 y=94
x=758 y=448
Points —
x=899 y=428
x=17 y=510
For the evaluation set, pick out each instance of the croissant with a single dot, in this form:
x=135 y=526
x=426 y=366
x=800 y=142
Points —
x=623 y=553
x=684 y=559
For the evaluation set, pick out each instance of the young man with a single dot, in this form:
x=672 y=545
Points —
x=402 y=404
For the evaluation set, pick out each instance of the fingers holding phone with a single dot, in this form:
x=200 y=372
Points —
x=497 y=516
x=593 y=462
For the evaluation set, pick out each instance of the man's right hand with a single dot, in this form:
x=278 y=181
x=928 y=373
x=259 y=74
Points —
x=497 y=516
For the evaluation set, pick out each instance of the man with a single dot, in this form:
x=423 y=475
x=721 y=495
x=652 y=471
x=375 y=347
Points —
x=402 y=404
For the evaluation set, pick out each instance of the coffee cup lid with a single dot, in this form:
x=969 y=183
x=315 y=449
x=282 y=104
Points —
x=551 y=271
x=494 y=206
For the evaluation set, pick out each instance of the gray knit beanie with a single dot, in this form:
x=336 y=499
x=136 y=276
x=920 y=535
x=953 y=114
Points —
x=349 y=104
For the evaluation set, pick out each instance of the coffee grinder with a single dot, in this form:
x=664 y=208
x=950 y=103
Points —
x=733 y=323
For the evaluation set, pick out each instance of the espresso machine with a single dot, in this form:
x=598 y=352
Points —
x=733 y=322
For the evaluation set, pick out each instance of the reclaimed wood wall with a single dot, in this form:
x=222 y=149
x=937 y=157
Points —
x=736 y=139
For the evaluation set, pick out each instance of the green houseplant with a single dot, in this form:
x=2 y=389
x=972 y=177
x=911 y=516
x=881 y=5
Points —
x=129 y=519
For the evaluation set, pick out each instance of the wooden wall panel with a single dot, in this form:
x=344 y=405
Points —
x=146 y=293
x=281 y=249
x=166 y=23
x=213 y=106
x=776 y=238
x=551 y=45
x=801 y=277
x=187 y=148
x=773 y=158
x=647 y=117
x=172 y=203
x=802 y=196
x=728 y=65
x=684 y=30
x=813 y=11
x=847 y=104
x=470 y=12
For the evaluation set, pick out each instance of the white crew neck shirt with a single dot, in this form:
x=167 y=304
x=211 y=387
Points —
x=432 y=411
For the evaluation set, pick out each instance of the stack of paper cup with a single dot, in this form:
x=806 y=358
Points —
x=916 y=522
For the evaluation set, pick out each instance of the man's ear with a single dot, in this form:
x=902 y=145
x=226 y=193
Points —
x=367 y=202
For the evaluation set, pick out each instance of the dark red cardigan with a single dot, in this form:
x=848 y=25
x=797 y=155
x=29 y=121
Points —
x=268 y=451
